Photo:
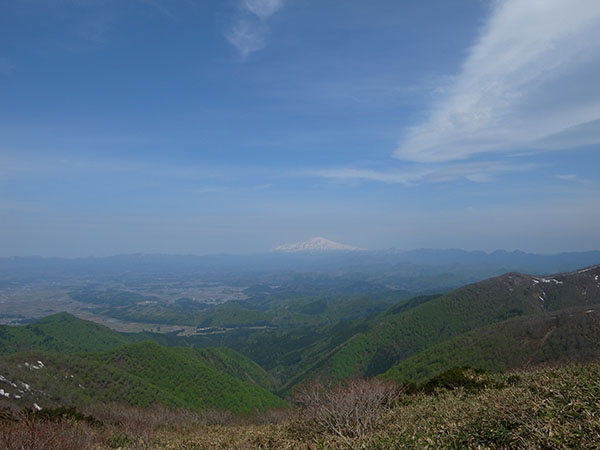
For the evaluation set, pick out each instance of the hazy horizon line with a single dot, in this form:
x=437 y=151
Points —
x=300 y=252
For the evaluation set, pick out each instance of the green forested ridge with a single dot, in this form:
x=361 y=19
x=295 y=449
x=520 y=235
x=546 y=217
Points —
x=292 y=348
x=512 y=321
x=564 y=336
x=142 y=374
x=402 y=333
x=398 y=336
x=284 y=352
x=62 y=333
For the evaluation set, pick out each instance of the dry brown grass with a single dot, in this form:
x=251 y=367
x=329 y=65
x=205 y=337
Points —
x=28 y=433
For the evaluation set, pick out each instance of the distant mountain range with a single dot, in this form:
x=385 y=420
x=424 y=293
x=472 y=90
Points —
x=476 y=265
x=316 y=244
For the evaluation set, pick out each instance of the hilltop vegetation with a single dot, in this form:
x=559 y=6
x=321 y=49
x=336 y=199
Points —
x=403 y=332
x=62 y=333
x=514 y=321
x=550 y=408
x=566 y=336
x=141 y=374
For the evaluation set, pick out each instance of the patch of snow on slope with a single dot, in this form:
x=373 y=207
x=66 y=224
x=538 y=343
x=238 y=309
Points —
x=551 y=280
x=7 y=381
x=40 y=365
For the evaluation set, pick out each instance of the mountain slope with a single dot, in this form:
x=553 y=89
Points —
x=62 y=333
x=138 y=374
x=232 y=363
x=397 y=336
x=565 y=336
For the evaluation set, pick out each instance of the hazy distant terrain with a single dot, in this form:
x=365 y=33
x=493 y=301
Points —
x=299 y=224
x=253 y=357
x=135 y=292
x=323 y=325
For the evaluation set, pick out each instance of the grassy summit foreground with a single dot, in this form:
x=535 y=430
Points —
x=547 y=408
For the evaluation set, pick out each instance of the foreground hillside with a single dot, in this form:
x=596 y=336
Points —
x=556 y=408
x=137 y=374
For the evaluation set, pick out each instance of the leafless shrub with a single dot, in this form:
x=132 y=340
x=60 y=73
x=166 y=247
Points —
x=349 y=410
x=119 y=426
x=137 y=426
x=30 y=433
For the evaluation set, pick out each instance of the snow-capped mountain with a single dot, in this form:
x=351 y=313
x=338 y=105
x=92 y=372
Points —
x=316 y=244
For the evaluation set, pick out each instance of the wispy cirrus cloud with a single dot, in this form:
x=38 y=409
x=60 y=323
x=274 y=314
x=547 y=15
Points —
x=6 y=66
x=476 y=172
x=230 y=189
x=530 y=81
x=250 y=30
x=567 y=177
x=577 y=180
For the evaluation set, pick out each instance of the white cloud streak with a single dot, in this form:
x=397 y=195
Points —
x=476 y=172
x=250 y=31
x=567 y=177
x=529 y=82
x=263 y=8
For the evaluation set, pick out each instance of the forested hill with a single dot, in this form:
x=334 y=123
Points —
x=65 y=360
x=137 y=374
x=400 y=333
x=511 y=321
x=63 y=333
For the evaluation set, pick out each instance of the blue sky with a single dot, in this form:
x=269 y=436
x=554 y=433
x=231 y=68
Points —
x=237 y=125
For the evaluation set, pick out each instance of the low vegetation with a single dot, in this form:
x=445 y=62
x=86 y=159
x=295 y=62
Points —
x=139 y=374
x=62 y=333
x=571 y=335
x=349 y=411
x=550 y=408
x=381 y=379
x=402 y=333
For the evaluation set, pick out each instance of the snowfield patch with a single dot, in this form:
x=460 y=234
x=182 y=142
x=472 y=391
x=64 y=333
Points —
x=7 y=381
x=40 y=365
x=551 y=280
